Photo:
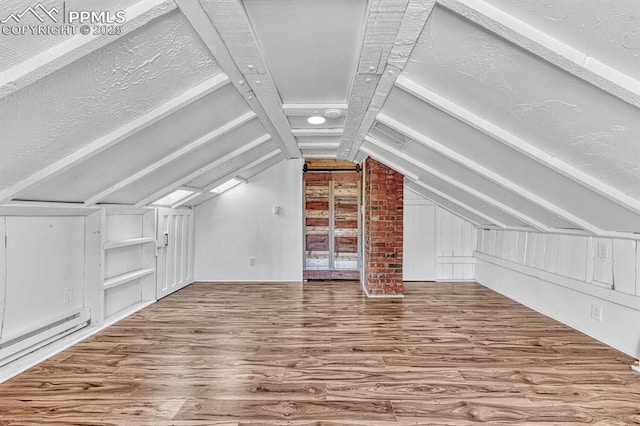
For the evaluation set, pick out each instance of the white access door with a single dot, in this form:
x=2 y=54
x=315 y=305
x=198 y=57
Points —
x=175 y=250
x=419 y=258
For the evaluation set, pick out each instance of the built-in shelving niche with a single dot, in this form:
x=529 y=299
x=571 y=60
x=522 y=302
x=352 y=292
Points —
x=128 y=266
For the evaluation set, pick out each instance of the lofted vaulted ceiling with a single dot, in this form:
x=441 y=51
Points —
x=513 y=114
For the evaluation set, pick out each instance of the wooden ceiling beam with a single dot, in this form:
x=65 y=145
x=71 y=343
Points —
x=391 y=30
x=225 y=29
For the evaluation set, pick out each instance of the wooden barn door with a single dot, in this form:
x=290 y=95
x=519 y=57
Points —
x=332 y=225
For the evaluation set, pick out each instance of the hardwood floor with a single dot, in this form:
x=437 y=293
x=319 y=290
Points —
x=322 y=354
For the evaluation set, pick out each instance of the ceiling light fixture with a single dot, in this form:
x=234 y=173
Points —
x=333 y=113
x=316 y=119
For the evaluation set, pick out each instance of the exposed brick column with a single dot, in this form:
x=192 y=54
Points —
x=383 y=229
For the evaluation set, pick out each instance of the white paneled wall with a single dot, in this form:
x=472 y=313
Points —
x=95 y=264
x=438 y=244
x=419 y=248
x=456 y=241
x=43 y=277
x=591 y=284
x=608 y=263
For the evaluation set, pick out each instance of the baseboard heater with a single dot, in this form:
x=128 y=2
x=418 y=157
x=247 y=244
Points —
x=43 y=335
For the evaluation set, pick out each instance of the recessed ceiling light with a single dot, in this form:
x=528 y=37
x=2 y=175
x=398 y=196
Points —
x=316 y=119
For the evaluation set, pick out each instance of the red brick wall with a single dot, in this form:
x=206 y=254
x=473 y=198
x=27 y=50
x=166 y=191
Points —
x=383 y=230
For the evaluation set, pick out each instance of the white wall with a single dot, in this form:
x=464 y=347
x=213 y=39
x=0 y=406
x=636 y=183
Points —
x=590 y=284
x=240 y=224
x=456 y=241
x=44 y=258
x=419 y=241
x=55 y=263
x=438 y=244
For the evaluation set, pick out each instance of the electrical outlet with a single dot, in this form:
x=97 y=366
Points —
x=252 y=261
x=67 y=295
x=596 y=312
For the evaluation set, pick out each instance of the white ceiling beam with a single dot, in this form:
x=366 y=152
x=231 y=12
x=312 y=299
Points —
x=318 y=145
x=185 y=200
x=434 y=191
x=251 y=173
x=390 y=163
x=517 y=144
x=174 y=156
x=486 y=173
x=416 y=16
x=225 y=158
x=317 y=132
x=115 y=137
x=415 y=179
x=224 y=28
x=206 y=191
x=392 y=30
x=304 y=110
x=550 y=49
x=382 y=23
x=463 y=187
x=243 y=169
x=411 y=186
x=320 y=156
x=349 y=145
x=61 y=55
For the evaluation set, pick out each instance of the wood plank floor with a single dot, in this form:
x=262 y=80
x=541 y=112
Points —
x=322 y=354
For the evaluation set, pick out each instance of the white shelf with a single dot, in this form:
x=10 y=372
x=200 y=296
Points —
x=125 y=278
x=130 y=242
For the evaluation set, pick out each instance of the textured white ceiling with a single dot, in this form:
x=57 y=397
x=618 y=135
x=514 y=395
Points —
x=510 y=113
x=607 y=30
x=14 y=50
x=310 y=46
x=97 y=94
